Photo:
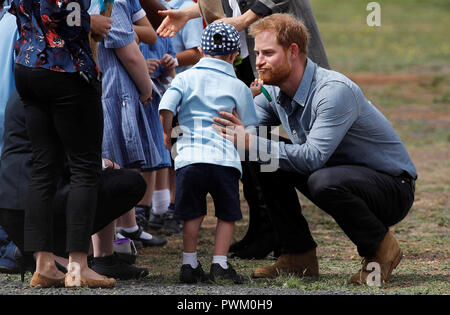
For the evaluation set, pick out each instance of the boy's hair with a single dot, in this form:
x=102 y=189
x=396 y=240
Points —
x=287 y=29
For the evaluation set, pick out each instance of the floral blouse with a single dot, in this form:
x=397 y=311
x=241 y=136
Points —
x=51 y=36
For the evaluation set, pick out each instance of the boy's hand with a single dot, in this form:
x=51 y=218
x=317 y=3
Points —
x=168 y=140
x=255 y=87
x=152 y=65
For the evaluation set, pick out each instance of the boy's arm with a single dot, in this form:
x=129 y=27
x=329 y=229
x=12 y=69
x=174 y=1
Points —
x=166 y=117
x=168 y=106
x=134 y=62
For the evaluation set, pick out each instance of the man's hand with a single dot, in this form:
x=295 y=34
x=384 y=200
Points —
x=152 y=65
x=233 y=129
x=100 y=25
x=243 y=21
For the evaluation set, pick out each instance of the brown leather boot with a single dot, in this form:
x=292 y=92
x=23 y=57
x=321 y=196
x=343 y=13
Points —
x=387 y=255
x=305 y=264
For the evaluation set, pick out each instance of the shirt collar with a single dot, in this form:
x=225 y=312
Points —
x=305 y=85
x=216 y=64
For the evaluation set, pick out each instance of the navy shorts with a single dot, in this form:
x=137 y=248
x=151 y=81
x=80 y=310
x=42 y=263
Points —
x=195 y=181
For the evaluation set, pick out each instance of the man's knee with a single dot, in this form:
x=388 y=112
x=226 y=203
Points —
x=324 y=183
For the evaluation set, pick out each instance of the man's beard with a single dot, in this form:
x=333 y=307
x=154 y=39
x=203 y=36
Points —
x=275 y=76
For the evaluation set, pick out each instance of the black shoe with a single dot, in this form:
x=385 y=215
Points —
x=217 y=272
x=26 y=263
x=170 y=225
x=155 y=221
x=136 y=237
x=191 y=275
x=113 y=267
x=128 y=258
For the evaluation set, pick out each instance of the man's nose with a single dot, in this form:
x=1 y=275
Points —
x=259 y=61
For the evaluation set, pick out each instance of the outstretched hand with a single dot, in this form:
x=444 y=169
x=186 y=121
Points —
x=173 y=22
x=233 y=129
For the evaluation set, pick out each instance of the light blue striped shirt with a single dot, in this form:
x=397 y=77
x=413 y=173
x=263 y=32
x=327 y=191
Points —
x=330 y=122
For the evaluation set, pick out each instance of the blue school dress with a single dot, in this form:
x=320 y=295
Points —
x=158 y=50
x=127 y=138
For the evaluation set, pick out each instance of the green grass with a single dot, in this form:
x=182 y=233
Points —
x=413 y=35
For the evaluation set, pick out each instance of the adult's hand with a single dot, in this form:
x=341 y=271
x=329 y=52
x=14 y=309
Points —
x=110 y=164
x=243 y=21
x=233 y=129
x=175 y=20
x=100 y=25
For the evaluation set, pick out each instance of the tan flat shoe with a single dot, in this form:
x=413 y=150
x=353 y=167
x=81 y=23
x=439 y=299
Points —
x=40 y=281
x=71 y=281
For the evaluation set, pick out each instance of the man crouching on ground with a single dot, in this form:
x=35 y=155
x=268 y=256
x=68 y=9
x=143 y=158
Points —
x=345 y=156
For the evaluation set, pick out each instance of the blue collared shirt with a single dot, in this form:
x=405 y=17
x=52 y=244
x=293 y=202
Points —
x=330 y=122
x=199 y=94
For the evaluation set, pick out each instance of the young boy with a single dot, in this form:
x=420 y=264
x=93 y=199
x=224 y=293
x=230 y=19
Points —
x=207 y=163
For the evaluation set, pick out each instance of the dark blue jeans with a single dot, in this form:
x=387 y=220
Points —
x=64 y=120
x=363 y=202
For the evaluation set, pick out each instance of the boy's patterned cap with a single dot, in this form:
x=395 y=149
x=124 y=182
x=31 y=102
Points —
x=220 y=39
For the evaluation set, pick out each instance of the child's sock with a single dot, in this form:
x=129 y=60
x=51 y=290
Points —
x=144 y=235
x=161 y=201
x=191 y=259
x=221 y=260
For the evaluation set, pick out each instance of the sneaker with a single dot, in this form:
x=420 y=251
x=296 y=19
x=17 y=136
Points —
x=171 y=226
x=113 y=267
x=191 y=275
x=136 y=238
x=217 y=272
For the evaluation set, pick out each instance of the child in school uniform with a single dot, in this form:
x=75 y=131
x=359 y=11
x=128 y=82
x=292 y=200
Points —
x=127 y=88
x=205 y=162
x=161 y=63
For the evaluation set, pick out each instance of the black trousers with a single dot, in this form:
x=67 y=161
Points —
x=64 y=117
x=363 y=202
x=119 y=191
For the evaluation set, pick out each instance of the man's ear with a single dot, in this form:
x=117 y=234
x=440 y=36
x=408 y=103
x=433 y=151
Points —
x=293 y=51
